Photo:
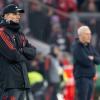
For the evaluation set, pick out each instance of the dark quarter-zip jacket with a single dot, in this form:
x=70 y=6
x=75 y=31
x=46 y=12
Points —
x=83 y=66
x=15 y=51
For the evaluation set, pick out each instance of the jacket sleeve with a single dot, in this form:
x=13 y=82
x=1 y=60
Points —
x=80 y=57
x=96 y=57
x=28 y=50
x=8 y=51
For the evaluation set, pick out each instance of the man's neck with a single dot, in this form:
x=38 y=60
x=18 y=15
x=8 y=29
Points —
x=84 y=43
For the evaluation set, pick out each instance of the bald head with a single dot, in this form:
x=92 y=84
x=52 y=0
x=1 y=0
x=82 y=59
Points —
x=84 y=34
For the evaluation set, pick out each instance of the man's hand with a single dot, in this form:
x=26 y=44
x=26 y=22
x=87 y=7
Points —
x=91 y=57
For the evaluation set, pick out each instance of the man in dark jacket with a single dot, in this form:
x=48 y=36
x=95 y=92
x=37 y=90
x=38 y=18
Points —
x=15 y=51
x=85 y=57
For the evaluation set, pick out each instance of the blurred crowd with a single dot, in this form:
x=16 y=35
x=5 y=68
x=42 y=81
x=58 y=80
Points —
x=55 y=22
x=51 y=76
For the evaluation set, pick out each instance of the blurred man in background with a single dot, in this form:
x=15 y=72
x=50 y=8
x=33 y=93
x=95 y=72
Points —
x=85 y=57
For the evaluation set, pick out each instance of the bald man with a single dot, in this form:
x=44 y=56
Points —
x=85 y=58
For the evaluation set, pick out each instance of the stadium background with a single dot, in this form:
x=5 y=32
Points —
x=49 y=22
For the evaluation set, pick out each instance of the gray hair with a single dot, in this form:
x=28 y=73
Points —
x=82 y=29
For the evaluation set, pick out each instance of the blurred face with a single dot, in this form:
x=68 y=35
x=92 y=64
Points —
x=15 y=17
x=57 y=51
x=35 y=6
x=56 y=29
x=85 y=37
x=2 y=4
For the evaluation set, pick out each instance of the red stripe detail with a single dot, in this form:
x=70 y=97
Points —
x=6 y=39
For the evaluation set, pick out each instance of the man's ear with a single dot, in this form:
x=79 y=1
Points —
x=6 y=16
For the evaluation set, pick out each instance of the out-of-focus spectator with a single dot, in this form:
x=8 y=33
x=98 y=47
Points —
x=17 y=2
x=39 y=22
x=69 y=84
x=58 y=37
x=89 y=6
x=38 y=64
x=66 y=6
x=2 y=4
x=98 y=4
x=79 y=4
x=52 y=3
x=54 y=72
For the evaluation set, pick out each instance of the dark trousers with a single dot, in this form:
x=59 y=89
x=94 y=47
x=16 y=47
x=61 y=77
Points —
x=53 y=90
x=84 y=88
x=15 y=94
